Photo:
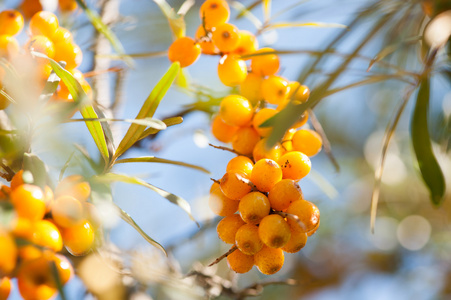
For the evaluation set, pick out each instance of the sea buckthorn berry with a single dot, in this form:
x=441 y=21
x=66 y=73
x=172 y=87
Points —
x=67 y=211
x=62 y=35
x=302 y=120
x=48 y=198
x=220 y=204
x=17 y=180
x=64 y=267
x=236 y=110
x=275 y=89
x=30 y=7
x=261 y=151
x=254 y=207
x=78 y=239
x=67 y=5
x=269 y=260
x=232 y=70
x=9 y=46
x=250 y=88
x=184 y=50
x=248 y=43
x=214 y=186
x=228 y=227
x=23 y=228
x=287 y=144
x=5 y=287
x=297 y=241
x=265 y=174
x=11 y=22
x=307 y=141
x=240 y=164
x=28 y=201
x=42 y=44
x=265 y=64
x=226 y=37
x=274 y=231
x=46 y=234
x=9 y=253
x=307 y=213
x=75 y=186
x=214 y=13
x=205 y=42
x=240 y=262
x=235 y=185
x=297 y=92
x=29 y=252
x=44 y=23
x=247 y=239
x=295 y=165
x=260 y=117
x=245 y=140
x=70 y=53
x=313 y=231
x=5 y=190
x=284 y=193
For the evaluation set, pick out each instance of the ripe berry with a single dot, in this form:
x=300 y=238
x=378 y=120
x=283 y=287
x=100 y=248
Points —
x=78 y=239
x=235 y=185
x=236 y=110
x=42 y=44
x=297 y=241
x=254 y=207
x=265 y=65
x=226 y=37
x=250 y=88
x=67 y=211
x=245 y=140
x=307 y=141
x=232 y=70
x=240 y=262
x=35 y=279
x=28 y=202
x=5 y=287
x=67 y=5
x=44 y=23
x=75 y=186
x=240 y=164
x=265 y=174
x=274 y=231
x=307 y=213
x=11 y=22
x=260 y=117
x=275 y=89
x=284 y=193
x=205 y=42
x=261 y=151
x=220 y=204
x=30 y=7
x=46 y=234
x=228 y=227
x=62 y=35
x=297 y=92
x=287 y=144
x=184 y=50
x=9 y=253
x=70 y=53
x=17 y=180
x=221 y=131
x=269 y=260
x=214 y=13
x=247 y=239
x=9 y=46
x=248 y=43
x=295 y=165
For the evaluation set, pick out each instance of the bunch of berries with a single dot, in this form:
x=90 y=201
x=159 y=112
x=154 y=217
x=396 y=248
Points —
x=44 y=221
x=30 y=7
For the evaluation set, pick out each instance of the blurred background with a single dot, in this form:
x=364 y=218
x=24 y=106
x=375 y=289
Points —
x=409 y=254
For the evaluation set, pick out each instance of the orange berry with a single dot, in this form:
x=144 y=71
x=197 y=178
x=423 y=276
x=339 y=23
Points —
x=30 y=7
x=275 y=89
x=62 y=35
x=226 y=37
x=184 y=50
x=274 y=231
x=9 y=46
x=78 y=239
x=248 y=43
x=28 y=201
x=240 y=262
x=269 y=260
x=205 y=42
x=302 y=120
x=228 y=227
x=250 y=88
x=297 y=241
x=265 y=174
x=5 y=287
x=265 y=64
x=41 y=44
x=235 y=185
x=17 y=180
x=247 y=239
x=221 y=131
x=67 y=211
x=261 y=116
x=307 y=213
x=46 y=234
x=75 y=186
x=254 y=207
x=11 y=22
x=8 y=255
x=245 y=140
x=29 y=252
x=48 y=198
x=220 y=204
x=44 y=23
x=70 y=53
x=307 y=141
x=295 y=165
x=4 y=192
x=64 y=267
x=313 y=231
x=67 y=5
x=232 y=70
x=23 y=228
x=284 y=193
x=297 y=92
x=287 y=144
x=241 y=164
x=261 y=151
x=214 y=13
x=236 y=110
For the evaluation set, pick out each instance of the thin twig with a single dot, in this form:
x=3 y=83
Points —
x=9 y=173
x=229 y=149
x=223 y=256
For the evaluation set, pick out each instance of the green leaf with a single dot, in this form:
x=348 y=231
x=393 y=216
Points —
x=392 y=48
x=50 y=87
x=153 y=159
x=148 y=122
x=96 y=21
x=148 y=109
x=243 y=11
x=57 y=278
x=176 y=20
x=169 y=122
x=306 y=24
x=182 y=203
x=182 y=79
x=36 y=166
x=267 y=9
x=421 y=141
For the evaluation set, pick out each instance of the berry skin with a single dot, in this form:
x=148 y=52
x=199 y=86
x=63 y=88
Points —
x=28 y=201
x=221 y=131
x=44 y=23
x=42 y=44
x=284 y=193
x=67 y=211
x=214 y=13
x=220 y=204
x=269 y=260
x=261 y=152
x=232 y=70
x=9 y=253
x=250 y=88
x=235 y=110
x=307 y=141
x=307 y=213
x=228 y=227
x=9 y=46
x=62 y=35
x=240 y=262
x=235 y=185
x=46 y=234
x=75 y=186
x=265 y=174
x=11 y=22
x=5 y=287
x=30 y=7
x=78 y=239
x=275 y=89
x=265 y=65
x=248 y=43
x=64 y=267
x=204 y=40
x=297 y=241
x=254 y=207
x=67 y=5
x=245 y=140
x=226 y=37
x=184 y=50
x=240 y=164
x=70 y=53
x=298 y=93
x=274 y=231
x=261 y=116
x=287 y=144
x=295 y=165
x=17 y=180
x=247 y=239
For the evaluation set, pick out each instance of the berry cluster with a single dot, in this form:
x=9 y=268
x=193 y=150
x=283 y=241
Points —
x=44 y=221
x=30 y=7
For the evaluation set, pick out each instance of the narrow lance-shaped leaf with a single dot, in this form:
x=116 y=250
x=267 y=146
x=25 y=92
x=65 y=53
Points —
x=148 y=109
x=153 y=159
x=169 y=122
x=267 y=9
x=176 y=21
x=306 y=24
x=421 y=141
